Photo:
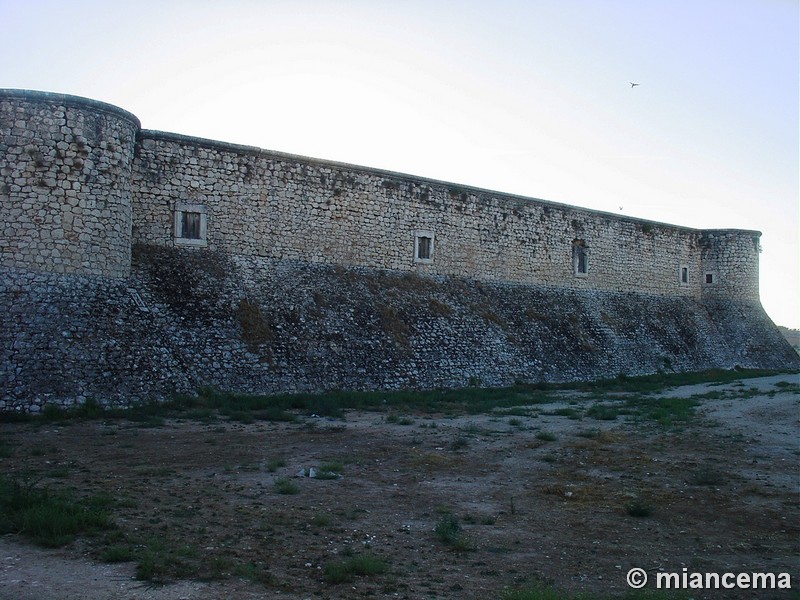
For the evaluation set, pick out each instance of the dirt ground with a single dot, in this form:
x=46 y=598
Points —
x=541 y=497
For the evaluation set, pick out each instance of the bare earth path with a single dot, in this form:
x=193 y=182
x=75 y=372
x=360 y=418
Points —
x=541 y=497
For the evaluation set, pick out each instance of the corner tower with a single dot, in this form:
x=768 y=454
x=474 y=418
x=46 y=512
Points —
x=65 y=184
x=729 y=261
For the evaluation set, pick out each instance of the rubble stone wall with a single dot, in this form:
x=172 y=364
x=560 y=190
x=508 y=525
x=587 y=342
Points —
x=280 y=206
x=135 y=265
x=65 y=184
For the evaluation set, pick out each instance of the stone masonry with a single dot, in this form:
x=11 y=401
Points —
x=139 y=264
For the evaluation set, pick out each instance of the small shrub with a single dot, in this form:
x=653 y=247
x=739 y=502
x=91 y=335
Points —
x=546 y=436
x=286 y=486
x=601 y=412
x=571 y=413
x=639 y=507
x=274 y=464
x=321 y=520
x=459 y=443
x=330 y=470
x=448 y=531
x=398 y=420
x=332 y=466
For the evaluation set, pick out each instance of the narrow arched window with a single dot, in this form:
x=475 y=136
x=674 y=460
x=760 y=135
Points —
x=580 y=258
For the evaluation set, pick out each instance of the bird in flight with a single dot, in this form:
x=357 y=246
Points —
x=633 y=85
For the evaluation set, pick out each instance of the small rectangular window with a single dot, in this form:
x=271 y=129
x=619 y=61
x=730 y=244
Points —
x=190 y=224
x=423 y=246
x=709 y=278
x=684 y=275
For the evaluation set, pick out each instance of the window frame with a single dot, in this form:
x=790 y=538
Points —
x=180 y=211
x=420 y=234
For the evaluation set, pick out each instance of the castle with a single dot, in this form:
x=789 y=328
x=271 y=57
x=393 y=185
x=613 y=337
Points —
x=161 y=262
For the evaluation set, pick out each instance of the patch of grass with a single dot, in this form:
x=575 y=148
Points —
x=117 y=553
x=157 y=562
x=254 y=572
x=362 y=565
x=48 y=518
x=286 y=486
x=666 y=411
x=155 y=471
x=448 y=531
x=398 y=420
x=42 y=451
x=639 y=507
x=660 y=381
x=274 y=464
x=58 y=473
x=321 y=520
x=332 y=466
x=546 y=436
x=568 y=412
x=468 y=400
x=787 y=385
x=707 y=475
x=602 y=412
x=589 y=433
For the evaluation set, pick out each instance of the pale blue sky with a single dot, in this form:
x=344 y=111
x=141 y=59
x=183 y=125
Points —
x=530 y=97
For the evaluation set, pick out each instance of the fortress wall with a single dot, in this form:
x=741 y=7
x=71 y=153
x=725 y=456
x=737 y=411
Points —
x=280 y=206
x=304 y=275
x=185 y=319
x=65 y=185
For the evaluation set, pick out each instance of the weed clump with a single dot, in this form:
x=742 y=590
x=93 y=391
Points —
x=707 y=475
x=286 y=486
x=448 y=531
x=345 y=571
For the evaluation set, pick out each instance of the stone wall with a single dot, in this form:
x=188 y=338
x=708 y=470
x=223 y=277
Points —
x=186 y=319
x=135 y=265
x=286 y=207
x=65 y=184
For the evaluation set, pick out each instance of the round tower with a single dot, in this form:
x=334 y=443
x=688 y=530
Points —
x=729 y=259
x=65 y=184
